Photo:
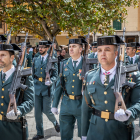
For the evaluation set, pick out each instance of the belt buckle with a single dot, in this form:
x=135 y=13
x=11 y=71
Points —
x=41 y=79
x=71 y=97
x=105 y=115
x=0 y=117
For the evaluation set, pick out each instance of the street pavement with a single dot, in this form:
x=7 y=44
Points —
x=51 y=134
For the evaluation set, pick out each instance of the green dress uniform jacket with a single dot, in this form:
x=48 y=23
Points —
x=97 y=128
x=70 y=109
x=13 y=130
x=137 y=59
x=92 y=55
x=39 y=71
x=29 y=59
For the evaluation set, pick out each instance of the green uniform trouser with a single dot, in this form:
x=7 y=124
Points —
x=67 y=126
x=43 y=104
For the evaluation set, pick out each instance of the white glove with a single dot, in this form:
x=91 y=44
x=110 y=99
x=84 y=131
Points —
x=54 y=111
x=11 y=115
x=48 y=83
x=31 y=49
x=84 y=138
x=122 y=115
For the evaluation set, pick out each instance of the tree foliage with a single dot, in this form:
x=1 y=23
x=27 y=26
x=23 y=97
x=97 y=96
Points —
x=46 y=18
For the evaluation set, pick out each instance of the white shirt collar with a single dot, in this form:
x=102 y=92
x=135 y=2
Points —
x=79 y=59
x=111 y=74
x=9 y=72
x=110 y=71
x=44 y=57
x=133 y=56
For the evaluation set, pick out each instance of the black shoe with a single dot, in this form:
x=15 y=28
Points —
x=37 y=137
x=57 y=127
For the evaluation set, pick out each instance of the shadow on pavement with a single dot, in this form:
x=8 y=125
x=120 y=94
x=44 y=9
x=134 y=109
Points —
x=50 y=133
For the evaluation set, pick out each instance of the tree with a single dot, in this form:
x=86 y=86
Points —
x=46 y=18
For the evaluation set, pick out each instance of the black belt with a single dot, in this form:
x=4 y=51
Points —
x=103 y=114
x=39 y=79
x=73 y=97
x=3 y=118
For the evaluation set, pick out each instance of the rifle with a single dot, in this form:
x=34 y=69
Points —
x=50 y=64
x=122 y=72
x=86 y=61
x=9 y=36
x=16 y=83
x=124 y=29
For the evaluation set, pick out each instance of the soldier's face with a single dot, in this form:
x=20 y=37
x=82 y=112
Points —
x=94 y=49
x=5 y=59
x=107 y=54
x=42 y=49
x=130 y=51
x=75 y=50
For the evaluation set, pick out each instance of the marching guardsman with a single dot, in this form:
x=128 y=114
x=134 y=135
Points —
x=94 y=50
x=99 y=120
x=12 y=125
x=29 y=55
x=43 y=93
x=69 y=85
x=131 y=50
x=94 y=53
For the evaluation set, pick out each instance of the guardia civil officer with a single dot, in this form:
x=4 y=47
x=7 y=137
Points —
x=94 y=53
x=131 y=49
x=94 y=50
x=29 y=55
x=12 y=126
x=43 y=93
x=100 y=122
x=69 y=85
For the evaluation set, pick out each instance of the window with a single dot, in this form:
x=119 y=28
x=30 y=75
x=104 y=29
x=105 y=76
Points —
x=117 y=25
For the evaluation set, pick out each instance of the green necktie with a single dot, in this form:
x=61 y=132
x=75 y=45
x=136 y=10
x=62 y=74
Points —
x=3 y=77
x=42 y=60
x=131 y=60
x=75 y=64
x=106 y=80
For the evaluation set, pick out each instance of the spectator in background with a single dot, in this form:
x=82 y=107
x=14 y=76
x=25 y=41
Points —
x=60 y=58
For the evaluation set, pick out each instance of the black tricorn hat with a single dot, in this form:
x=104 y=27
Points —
x=133 y=44
x=29 y=46
x=109 y=40
x=128 y=45
x=46 y=42
x=94 y=44
x=77 y=41
x=3 y=38
x=16 y=47
x=27 y=43
x=9 y=47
